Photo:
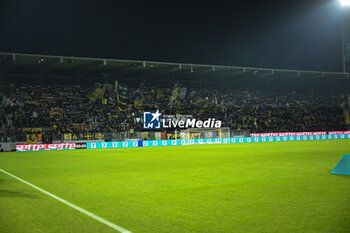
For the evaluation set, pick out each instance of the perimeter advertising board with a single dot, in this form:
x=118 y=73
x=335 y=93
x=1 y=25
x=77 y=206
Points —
x=180 y=142
x=45 y=147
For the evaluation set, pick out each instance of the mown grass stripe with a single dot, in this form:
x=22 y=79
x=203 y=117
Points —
x=92 y=215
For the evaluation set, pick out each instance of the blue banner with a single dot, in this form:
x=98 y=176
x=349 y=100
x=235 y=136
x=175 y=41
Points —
x=182 y=142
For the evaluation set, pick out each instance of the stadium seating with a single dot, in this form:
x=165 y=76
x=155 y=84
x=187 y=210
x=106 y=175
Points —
x=75 y=109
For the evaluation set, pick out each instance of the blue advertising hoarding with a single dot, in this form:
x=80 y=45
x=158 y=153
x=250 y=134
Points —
x=180 y=142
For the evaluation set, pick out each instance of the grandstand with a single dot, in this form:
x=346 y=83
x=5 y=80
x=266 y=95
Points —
x=91 y=107
x=96 y=162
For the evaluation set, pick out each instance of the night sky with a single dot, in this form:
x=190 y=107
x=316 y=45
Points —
x=270 y=34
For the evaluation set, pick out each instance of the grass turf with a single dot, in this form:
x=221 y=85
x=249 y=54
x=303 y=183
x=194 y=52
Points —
x=257 y=187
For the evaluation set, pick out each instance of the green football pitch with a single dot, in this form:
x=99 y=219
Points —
x=256 y=187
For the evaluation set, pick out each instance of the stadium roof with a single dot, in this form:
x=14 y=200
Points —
x=46 y=66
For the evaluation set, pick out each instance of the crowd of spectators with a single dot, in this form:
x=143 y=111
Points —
x=74 y=109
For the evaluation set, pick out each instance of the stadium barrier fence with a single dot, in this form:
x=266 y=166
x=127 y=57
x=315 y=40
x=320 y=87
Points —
x=178 y=142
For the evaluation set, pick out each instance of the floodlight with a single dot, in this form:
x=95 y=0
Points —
x=345 y=2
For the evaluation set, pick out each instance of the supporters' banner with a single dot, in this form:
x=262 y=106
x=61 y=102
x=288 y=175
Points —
x=171 y=136
x=97 y=94
x=185 y=135
x=31 y=130
x=99 y=136
x=102 y=136
x=174 y=95
x=287 y=134
x=210 y=134
x=34 y=138
x=108 y=136
x=67 y=136
x=145 y=135
x=197 y=135
x=46 y=147
x=347 y=117
x=122 y=95
x=180 y=142
x=79 y=136
x=88 y=136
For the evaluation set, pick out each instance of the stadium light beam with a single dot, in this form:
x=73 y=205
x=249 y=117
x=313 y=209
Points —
x=345 y=2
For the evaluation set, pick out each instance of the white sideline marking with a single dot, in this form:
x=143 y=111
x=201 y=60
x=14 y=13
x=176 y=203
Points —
x=108 y=223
